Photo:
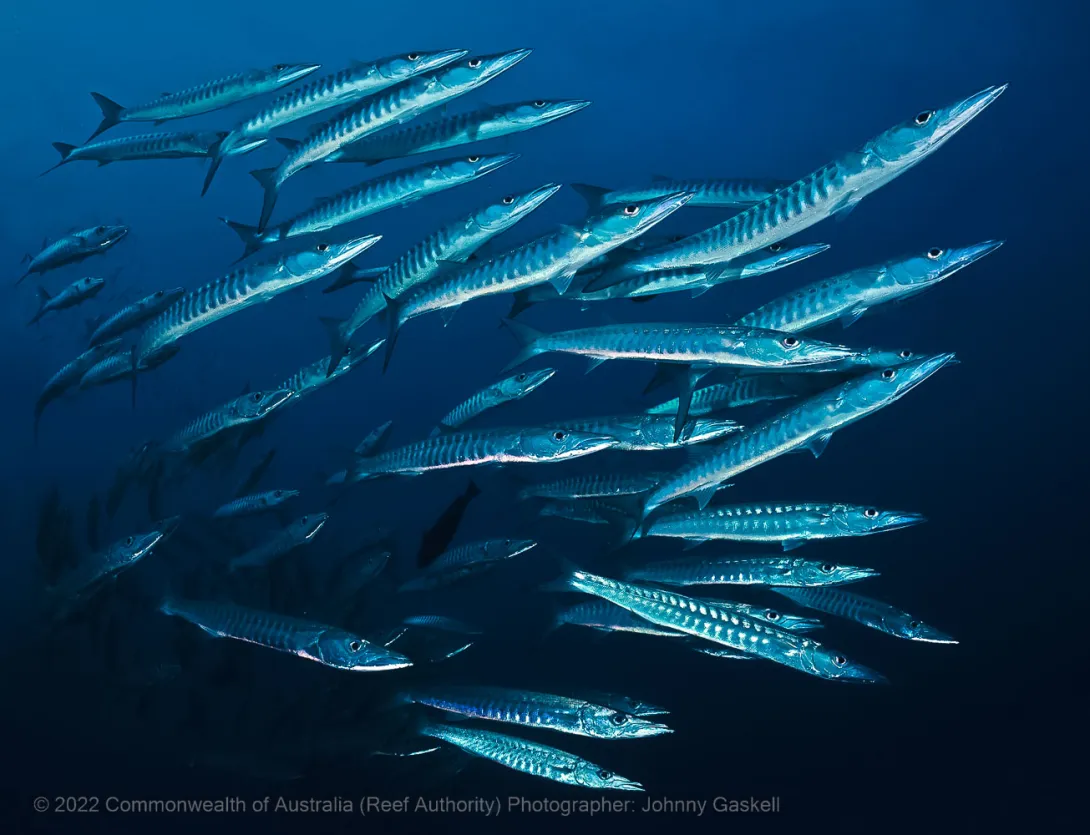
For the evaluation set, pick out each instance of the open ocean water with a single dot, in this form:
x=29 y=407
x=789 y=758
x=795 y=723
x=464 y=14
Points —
x=124 y=705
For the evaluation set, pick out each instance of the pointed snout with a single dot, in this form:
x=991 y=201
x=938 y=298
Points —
x=495 y=161
x=560 y=109
x=956 y=116
x=297 y=71
x=967 y=255
x=895 y=520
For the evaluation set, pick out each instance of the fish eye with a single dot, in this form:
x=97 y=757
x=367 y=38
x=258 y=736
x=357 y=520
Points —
x=521 y=378
x=914 y=624
x=790 y=342
x=129 y=541
x=871 y=513
x=889 y=374
x=159 y=295
x=840 y=660
x=508 y=200
x=827 y=567
x=619 y=719
x=775 y=247
x=355 y=646
x=256 y=397
x=905 y=354
x=772 y=615
x=100 y=229
x=280 y=67
x=935 y=253
x=605 y=775
x=413 y=56
x=304 y=519
x=473 y=63
x=924 y=117
x=631 y=211
x=278 y=493
x=473 y=159
x=322 y=247
x=559 y=435
x=539 y=103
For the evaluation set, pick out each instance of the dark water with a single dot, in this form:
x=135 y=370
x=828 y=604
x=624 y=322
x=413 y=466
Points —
x=966 y=737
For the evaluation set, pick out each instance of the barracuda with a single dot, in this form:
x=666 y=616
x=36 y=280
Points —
x=791 y=525
x=142 y=146
x=553 y=259
x=592 y=486
x=714 y=194
x=530 y=757
x=808 y=425
x=833 y=189
x=310 y=378
x=634 y=433
x=319 y=642
x=469 y=560
x=744 y=391
x=242 y=410
x=75 y=293
x=337 y=90
x=507 y=390
x=73 y=248
x=135 y=314
x=867 y=611
x=298 y=533
x=849 y=296
x=476 y=126
x=390 y=107
x=453 y=243
x=529 y=708
x=203 y=98
x=748 y=571
x=253 y=504
x=69 y=376
x=604 y=616
x=372 y=196
x=89 y=576
x=722 y=625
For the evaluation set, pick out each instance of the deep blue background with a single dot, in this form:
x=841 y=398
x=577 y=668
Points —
x=989 y=449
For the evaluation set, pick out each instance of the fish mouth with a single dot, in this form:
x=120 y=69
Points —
x=350 y=249
x=278 y=398
x=663 y=208
x=930 y=635
x=923 y=369
x=783 y=259
x=437 y=60
x=895 y=520
x=319 y=522
x=526 y=204
x=393 y=661
x=594 y=443
x=965 y=256
x=489 y=164
x=852 y=574
x=538 y=378
x=114 y=234
x=627 y=785
x=296 y=71
x=565 y=108
x=495 y=64
x=858 y=674
x=956 y=116
x=653 y=729
x=521 y=547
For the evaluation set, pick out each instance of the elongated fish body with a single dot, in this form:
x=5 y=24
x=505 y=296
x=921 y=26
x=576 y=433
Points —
x=699 y=346
x=847 y=297
x=476 y=126
x=114 y=559
x=634 y=433
x=255 y=503
x=74 y=247
x=70 y=374
x=810 y=425
x=782 y=620
x=75 y=293
x=310 y=378
x=744 y=391
x=488 y=550
x=603 y=616
x=833 y=188
x=110 y=369
x=246 y=409
x=553 y=258
x=789 y=524
x=532 y=709
x=867 y=611
x=203 y=98
x=441 y=578
x=748 y=571
x=593 y=511
x=529 y=757
x=597 y=485
x=243 y=288
x=176 y=145
x=450 y=244
x=524 y=445
x=713 y=194
x=298 y=533
x=726 y=626
x=390 y=107
x=507 y=390
x=135 y=314
x=319 y=642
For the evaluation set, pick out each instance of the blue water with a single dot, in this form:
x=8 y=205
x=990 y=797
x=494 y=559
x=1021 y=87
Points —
x=965 y=736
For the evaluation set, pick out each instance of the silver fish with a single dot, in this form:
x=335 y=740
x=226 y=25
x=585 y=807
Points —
x=255 y=503
x=175 y=145
x=713 y=194
x=246 y=409
x=596 y=485
x=507 y=390
x=466 y=561
x=633 y=433
x=89 y=575
x=298 y=533
x=867 y=611
x=70 y=375
x=748 y=571
x=604 y=616
x=73 y=248
x=75 y=293
x=135 y=314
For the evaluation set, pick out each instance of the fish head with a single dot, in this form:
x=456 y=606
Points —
x=881 y=357
x=788 y=350
x=826 y=663
x=881 y=387
x=506 y=548
x=136 y=546
x=814 y=573
x=410 y=64
x=618 y=223
x=162 y=298
x=608 y=723
x=784 y=620
x=322 y=257
x=281 y=74
x=346 y=651
x=512 y=208
x=776 y=256
x=936 y=263
x=89 y=286
x=521 y=384
x=699 y=430
x=594 y=776
x=470 y=73
x=305 y=528
x=858 y=521
x=102 y=237
x=358 y=353
x=560 y=444
x=909 y=142
x=258 y=404
x=463 y=169
x=529 y=114
x=917 y=630
x=275 y=497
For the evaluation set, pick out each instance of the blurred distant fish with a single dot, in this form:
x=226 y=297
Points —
x=75 y=293
x=134 y=314
x=242 y=410
x=442 y=623
x=867 y=611
x=475 y=126
x=254 y=478
x=202 y=98
x=256 y=503
x=298 y=533
x=74 y=247
x=438 y=537
x=69 y=376
x=141 y=146
x=55 y=541
x=715 y=194
x=592 y=486
x=507 y=390
x=467 y=561
x=749 y=571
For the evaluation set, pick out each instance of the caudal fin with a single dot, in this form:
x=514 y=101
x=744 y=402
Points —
x=65 y=150
x=111 y=114
x=393 y=328
x=519 y=303
x=592 y=194
x=338 y=341
x=43 y=300
x=526 y=337
x=267 y=178
x=215 y=155
x=251 y=238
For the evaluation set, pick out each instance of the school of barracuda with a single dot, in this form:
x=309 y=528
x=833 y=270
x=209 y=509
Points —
x=808 y=387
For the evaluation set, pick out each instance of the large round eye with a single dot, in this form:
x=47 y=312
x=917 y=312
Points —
x=304 y=519
x=508 y=200
x=473 y=159
x=280 y=67
x=924 y=117
x=775 y=247
x=906 y=354
x=256 y=397
x=322 y=247
x=159 y=295
x=605 y=775
x=914 y=624
x=871 y=513
x=355 y=646
x=413 y=56
x=772 y=615
x=790 y=342
x=631 y=211
x=840 y=660
x=521 y=378
x=473 y=63
x=619 y=719
x=935 y=253
x=539 y=103
x=827 y=567
x=129 y=541
x=889 y=374
x=559 y=435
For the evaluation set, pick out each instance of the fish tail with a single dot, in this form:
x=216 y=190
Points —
x=251 y=237
x=565 y=581
x=519 y=303
x=111 y=114
x=526 y=338
x=43 y=300
x=215 y=156
x=338 y=341
x=267 y=178
x=591 y=194
x=393 y=328
x=65 y=150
